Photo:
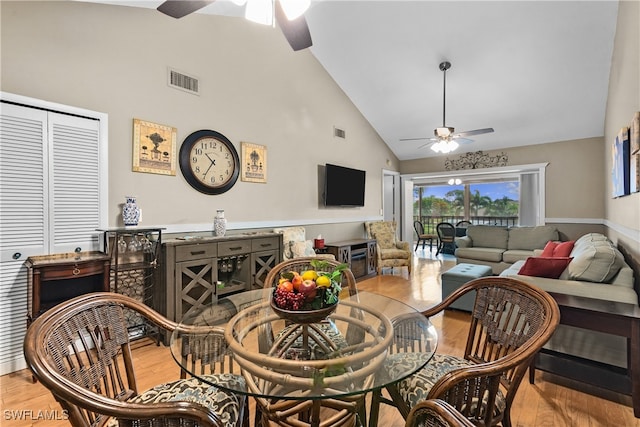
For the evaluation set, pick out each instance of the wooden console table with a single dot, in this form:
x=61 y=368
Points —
x=610 y=317
x=52 y=279
x=359 y=254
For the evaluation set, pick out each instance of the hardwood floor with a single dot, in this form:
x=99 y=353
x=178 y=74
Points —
x=549 y=402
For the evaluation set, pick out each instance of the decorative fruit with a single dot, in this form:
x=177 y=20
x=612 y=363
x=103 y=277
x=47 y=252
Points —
x=310 y=275
x=323 y=281
x=288 y=300
x=308 y=289
x=286 y=286
x=297 y=281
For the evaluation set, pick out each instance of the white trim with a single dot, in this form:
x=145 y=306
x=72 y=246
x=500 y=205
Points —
x=625 y=231
x=597 y=221
x=208 y=227
x=516 y=169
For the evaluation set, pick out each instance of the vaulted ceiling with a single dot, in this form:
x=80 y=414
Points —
x=535 y=71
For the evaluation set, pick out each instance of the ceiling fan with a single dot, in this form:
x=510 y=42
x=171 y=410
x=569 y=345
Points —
x=288 y=13
x=445 y=139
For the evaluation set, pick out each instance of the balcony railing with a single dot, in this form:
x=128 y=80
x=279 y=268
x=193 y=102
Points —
x=430 y=221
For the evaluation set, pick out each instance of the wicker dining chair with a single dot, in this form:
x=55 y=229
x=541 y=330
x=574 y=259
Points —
x=328 y=412
x=423 y=237
x=436 y=413
x=510 y=322
x=80 y=350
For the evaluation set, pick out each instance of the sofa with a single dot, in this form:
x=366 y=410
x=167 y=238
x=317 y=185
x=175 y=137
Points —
x=595 y=269
x=500 y=247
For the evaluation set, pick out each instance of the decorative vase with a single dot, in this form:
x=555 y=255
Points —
x=130 y=212
x=220 y=223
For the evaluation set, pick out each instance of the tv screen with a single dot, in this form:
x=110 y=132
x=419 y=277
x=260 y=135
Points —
x=343 y=186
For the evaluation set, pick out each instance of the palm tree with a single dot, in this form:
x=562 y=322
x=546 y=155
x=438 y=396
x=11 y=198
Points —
x=456 y=199
x=478 y=202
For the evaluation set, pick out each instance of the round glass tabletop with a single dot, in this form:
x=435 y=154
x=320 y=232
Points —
x=368 y=342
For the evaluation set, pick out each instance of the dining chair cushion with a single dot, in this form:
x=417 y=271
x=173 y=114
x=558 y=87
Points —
x=415 y=388
x=227 y=405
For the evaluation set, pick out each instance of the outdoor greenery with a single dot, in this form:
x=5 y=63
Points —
x=453 y=204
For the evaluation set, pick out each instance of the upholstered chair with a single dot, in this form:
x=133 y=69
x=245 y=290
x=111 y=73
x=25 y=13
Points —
x=296 y=244
x=436 y=413
x=391 y=252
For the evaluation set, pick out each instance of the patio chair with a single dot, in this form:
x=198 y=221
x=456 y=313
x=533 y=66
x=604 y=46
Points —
x=423 y=237
x=510 y=322
x=80 y=350
x=436 y=413
x=446 y=236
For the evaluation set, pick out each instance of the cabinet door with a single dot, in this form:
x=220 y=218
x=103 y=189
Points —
x=261 y=265
x=49 y=203
x=195 y=285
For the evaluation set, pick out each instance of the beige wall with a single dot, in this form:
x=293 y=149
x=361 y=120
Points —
x=623 y=214
x=573 y=177
x=114 y=59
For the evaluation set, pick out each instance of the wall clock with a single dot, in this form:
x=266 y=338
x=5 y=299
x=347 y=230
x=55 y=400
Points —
x=209 y=162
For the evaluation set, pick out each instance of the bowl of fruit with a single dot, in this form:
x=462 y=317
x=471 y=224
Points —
x=308 y=296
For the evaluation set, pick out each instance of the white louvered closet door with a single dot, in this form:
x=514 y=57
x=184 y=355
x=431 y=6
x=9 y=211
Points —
x=49 y=203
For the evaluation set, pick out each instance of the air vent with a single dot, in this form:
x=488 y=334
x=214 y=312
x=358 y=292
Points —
x=184 y=82
x=339 y=133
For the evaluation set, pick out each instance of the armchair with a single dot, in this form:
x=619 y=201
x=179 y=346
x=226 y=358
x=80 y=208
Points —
x=390 y=251
x=80 y=351
x=296 y=244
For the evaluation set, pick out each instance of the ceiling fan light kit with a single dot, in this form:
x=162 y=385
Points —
x=288 y=13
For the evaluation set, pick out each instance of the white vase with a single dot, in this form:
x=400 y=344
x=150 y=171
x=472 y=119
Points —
x=130 y=212
x=220 y=223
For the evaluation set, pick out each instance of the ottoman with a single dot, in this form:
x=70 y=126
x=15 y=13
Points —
x=459 y=275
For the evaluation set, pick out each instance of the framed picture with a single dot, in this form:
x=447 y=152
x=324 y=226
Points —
x=154 y=148
x=635 y=134
x=621 y=162
x=254 y=162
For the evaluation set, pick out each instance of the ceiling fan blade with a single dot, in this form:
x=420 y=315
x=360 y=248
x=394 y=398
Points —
x=295 y=31
x=473 y=132
x=462 y=140
x=426 y=145
x=414 y=139
x=179 y=8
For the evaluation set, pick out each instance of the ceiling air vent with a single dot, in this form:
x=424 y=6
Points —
x=339 y=133
x=184 y=82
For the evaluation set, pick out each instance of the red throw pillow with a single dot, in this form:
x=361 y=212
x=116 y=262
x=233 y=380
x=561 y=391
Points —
x=548 y=267
x=557 y=249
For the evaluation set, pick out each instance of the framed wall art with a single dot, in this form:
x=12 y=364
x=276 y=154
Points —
x=620 y=172
x=635 y=134
x=154 y=148
x=254 y=162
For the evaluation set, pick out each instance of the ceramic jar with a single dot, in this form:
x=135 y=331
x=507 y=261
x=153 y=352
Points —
x=130 y=212
x=220 y=223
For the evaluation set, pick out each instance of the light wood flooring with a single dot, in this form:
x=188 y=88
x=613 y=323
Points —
x=551 y=401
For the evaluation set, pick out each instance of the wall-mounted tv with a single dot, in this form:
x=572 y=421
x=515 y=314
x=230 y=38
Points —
x=343 y=186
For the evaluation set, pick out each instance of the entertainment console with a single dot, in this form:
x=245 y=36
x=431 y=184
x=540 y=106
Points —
x=359 y=254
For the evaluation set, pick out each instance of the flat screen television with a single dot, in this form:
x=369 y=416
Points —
x=343 y=186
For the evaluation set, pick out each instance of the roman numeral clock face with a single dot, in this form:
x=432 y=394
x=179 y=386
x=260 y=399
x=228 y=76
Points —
x=209 y=162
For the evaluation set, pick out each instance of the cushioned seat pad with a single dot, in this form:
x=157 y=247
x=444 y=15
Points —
x=226 y=404
x=416 y=388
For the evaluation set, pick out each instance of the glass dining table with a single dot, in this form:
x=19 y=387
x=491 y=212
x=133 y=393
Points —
x=370 y=341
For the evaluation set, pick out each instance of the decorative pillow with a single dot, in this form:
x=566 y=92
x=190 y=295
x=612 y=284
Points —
x=596 y=262
x=550 y=268
x=302 y=249
x=557 y=249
